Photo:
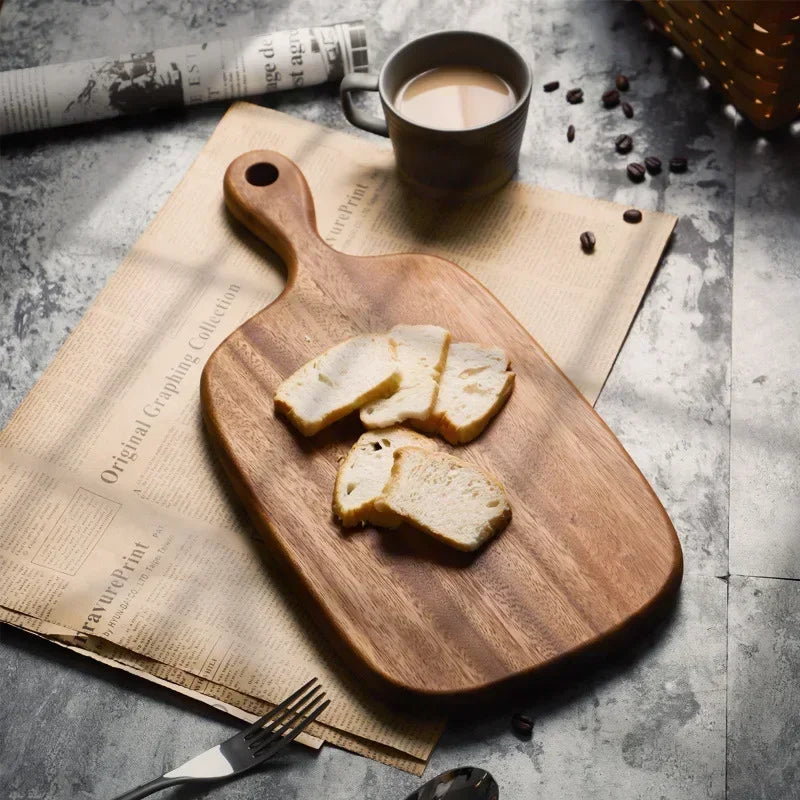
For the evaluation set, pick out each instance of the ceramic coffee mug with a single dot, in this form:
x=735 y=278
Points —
x=469 y=162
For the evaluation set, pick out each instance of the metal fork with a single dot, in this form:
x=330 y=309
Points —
x=248 y=748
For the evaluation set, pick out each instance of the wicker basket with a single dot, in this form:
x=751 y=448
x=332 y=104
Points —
x=750 y=51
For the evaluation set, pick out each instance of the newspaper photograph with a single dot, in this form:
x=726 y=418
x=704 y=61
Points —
x=66 y=94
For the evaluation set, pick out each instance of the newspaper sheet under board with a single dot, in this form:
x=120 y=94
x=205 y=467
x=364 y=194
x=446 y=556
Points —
x=115 y=522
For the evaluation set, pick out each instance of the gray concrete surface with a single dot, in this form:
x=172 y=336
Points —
x=765 y=421
x=764 y=688
x=689 y=714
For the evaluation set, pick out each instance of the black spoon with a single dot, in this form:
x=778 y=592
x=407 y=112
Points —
x=463 y=783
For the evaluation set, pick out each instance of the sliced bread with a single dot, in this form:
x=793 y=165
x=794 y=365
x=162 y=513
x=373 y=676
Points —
x=445 y=497
x=365 y=472
x=474 y=385
x=342 y=379
x=421 y=353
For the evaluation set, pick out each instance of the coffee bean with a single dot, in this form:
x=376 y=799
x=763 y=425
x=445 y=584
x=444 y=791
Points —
x=632 y=215
x=587 y=241
x=611 y=98
x=627 y=110
x=570 y=133
x=635 y=172
x=623 y=143
x=575 y=96
x=552 y=86
x=653 y=165
x=522 y=724
x=678 y=164
x=623 y=84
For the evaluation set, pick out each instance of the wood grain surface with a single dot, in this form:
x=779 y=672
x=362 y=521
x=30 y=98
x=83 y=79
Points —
x=589 y=550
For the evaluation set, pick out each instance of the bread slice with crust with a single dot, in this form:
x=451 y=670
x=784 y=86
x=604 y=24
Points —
x=475 y=384
x=365 y=472
x=446 y=497
x=342 y=379
x=421 y=353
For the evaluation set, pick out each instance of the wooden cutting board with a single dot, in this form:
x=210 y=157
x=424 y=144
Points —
x=589 y=551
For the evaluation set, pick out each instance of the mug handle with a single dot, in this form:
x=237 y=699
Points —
x=361 y=82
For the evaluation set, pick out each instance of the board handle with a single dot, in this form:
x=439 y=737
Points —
x=268 y=194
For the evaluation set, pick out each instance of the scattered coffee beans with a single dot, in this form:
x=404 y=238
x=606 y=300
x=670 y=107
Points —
x=635 y=172
x=611 y=98
x=632 y=215
x=522 y=724
x=588 y=241
x=575 y=96
x=653 y=165
x=678 y=164
x=623 y=143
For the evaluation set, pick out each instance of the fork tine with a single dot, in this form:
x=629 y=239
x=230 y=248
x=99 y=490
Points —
x=259 y=723
x=279 y=720
x=271 y=735
x=272 y=730
x=282 y=741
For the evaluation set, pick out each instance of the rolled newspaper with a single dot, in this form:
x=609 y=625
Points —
x=65 y=94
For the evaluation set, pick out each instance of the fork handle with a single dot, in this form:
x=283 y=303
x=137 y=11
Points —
x=150 y=787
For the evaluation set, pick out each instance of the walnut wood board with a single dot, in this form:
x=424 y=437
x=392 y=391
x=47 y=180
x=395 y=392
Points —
x=589 y=550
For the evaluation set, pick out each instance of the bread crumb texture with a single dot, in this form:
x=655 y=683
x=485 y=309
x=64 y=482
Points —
x=421 y=353
x=475 y=384
x=446 y=497
x=366 y=471
x=341 y=380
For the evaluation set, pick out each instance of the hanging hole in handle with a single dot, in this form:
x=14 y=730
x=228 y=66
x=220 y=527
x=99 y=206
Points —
x=262 y=174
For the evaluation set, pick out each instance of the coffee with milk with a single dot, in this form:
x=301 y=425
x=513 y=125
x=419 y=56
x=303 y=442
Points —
x=454 y=98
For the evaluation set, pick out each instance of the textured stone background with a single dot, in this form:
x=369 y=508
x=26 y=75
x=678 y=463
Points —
x=704 y=395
